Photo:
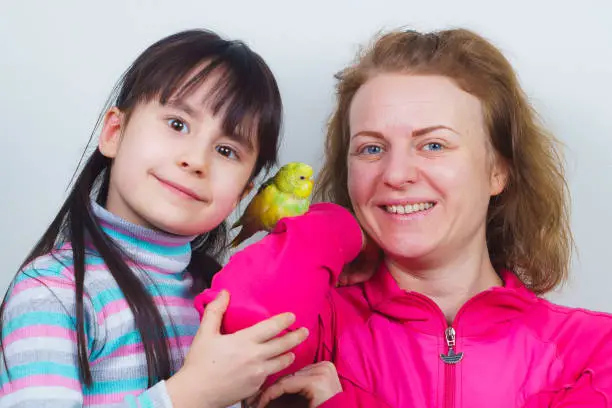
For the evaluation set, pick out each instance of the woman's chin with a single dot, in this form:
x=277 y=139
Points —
x=416 y=252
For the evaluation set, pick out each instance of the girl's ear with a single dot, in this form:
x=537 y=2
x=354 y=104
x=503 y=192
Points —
x=110 y=137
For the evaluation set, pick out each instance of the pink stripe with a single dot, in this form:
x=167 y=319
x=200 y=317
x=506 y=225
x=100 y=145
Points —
x=104 y=399
x=135 y=349
x=173 y=301
x=49 y=380
x=40 y=331
x=51 y=281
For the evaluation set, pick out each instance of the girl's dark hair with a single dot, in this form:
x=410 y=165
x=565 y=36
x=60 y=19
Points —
x=246 y=93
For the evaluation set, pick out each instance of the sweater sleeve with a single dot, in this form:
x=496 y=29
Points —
x=292 y=269
x=39 y=364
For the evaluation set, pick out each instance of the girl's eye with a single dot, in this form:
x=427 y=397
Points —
x=371 y=149
x=433 y=146
x=227 y=152
x=178 y=125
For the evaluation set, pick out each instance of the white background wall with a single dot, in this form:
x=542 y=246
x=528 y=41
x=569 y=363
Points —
x=60 y=59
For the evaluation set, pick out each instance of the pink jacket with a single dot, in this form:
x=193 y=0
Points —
x=506 y=348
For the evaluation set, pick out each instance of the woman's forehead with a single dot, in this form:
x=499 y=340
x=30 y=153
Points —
x=409 y=101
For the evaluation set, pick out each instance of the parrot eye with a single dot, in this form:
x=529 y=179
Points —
x=302 y=178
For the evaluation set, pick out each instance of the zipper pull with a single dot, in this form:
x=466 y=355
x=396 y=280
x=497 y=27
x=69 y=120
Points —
x=451 y=357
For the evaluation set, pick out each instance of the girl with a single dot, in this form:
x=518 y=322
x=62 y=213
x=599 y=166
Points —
x=435 y=152
x=101 y=312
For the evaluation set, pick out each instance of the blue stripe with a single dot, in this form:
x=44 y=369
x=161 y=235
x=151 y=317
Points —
x=109 y=295
x=114 y=387
x=51 y=269
x=148 y=246
x=40 y=368
x=145 y=401
x=36 y=318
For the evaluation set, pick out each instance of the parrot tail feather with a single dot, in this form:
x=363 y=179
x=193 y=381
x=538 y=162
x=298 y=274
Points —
x=244 y=234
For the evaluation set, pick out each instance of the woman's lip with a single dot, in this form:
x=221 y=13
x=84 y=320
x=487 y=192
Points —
x=407 y=201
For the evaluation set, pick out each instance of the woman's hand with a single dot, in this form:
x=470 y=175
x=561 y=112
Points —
x=316 y=383
x=220 y=370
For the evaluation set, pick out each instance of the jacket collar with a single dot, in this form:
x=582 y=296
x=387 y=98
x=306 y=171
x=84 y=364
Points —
x=485 y=313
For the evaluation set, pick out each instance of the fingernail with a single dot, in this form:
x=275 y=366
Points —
x=290 y=318
x=305 y=331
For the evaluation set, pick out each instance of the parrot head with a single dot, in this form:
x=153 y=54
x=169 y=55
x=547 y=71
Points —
x=296 y=179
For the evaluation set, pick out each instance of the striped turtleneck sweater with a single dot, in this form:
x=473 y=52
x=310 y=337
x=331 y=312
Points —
x=39 y=329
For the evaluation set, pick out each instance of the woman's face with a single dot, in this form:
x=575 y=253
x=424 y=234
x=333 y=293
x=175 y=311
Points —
x=420 y=170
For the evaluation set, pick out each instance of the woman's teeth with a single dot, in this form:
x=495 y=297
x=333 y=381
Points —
x=408 y=208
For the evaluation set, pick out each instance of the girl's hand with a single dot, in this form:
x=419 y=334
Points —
x=317 y=383
x=220 y=370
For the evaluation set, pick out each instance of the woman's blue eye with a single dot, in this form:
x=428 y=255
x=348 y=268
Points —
x=433 y=146
x=371 y=149
x=227 y=152
x=178 y=125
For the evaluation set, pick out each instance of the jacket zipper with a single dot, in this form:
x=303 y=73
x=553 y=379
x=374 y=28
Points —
x=450 y=359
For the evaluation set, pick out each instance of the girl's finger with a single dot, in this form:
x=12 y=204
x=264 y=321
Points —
x=269 y=328
x=279 y=363
x=281 y=345
x=287 y=385
x=213 y=314
x=316 y=368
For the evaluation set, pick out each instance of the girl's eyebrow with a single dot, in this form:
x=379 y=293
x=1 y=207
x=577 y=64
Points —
x=242 y=139
x=183 y=106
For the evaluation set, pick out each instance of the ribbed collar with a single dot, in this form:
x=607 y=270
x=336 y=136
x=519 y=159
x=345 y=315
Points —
x=164 y=252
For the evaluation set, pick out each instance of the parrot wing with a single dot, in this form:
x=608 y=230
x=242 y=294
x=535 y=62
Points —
x=252 y=207
x=284 y=205
x=252 y=220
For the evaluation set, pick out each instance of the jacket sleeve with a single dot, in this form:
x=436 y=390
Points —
x=585 y=392
x=292 y=269
x=592 y=387
x=39 y=360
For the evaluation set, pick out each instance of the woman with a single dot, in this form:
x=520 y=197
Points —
x=437 y=152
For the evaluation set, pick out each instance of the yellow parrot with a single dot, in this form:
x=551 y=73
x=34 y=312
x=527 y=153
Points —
x=286 y=194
